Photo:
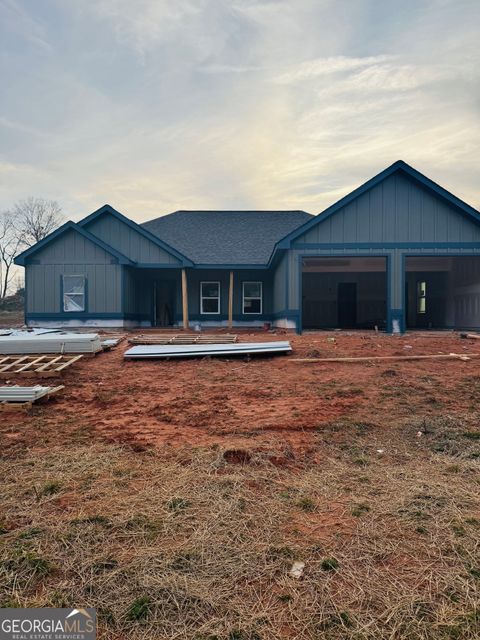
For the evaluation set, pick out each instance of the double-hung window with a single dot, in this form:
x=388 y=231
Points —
x=252 y=297
x=73 y=293
x=210 y=297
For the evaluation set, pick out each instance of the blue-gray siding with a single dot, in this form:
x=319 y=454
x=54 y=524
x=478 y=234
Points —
x=129 y=242
x=73 y=254
x=396 y=210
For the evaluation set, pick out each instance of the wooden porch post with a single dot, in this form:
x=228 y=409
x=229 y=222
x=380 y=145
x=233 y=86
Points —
x=184 y=299
x=230 y=302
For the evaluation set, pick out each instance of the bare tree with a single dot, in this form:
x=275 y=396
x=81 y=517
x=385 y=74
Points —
x=25 y=224
x=11 y=242
x=35 y=218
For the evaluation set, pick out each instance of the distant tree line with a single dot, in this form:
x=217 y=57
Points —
x=27 y=222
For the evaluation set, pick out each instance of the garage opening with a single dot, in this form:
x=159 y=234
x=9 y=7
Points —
x=348 y=293
x=442 y=292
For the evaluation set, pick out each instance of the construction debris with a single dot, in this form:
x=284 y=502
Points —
x=185 y=338
x=46 y=366
x=470 y=336
x=297 y=569
x=23 y=397
x=110 y=343
x=176 y=351
x=26 y=342
x=442 y=356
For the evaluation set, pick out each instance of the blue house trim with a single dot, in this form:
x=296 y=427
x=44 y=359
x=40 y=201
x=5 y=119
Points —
x=22 y=258
x=136 y=227
x=385 y=245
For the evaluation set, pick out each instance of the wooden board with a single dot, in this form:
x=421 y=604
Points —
x=45 y=366
x=193 y=338
x=442 y=356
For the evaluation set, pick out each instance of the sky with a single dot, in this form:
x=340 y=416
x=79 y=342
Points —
x=158 y=105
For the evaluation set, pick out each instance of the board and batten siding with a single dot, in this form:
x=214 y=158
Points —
x=73 y=254
x=396 y=210
x=132 y=244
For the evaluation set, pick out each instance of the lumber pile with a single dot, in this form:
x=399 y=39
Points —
x=197 y=350
x=16 y=397
x=45 y=366
x=52 y=342
x=184 y=338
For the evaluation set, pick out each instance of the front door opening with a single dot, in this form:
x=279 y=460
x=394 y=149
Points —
x=347 y=293
x=163 y=298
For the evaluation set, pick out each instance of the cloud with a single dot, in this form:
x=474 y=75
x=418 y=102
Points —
x=156 y=105
x=309 y=69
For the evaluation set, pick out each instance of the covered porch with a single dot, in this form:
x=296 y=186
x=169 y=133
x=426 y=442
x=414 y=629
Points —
x=181 y=297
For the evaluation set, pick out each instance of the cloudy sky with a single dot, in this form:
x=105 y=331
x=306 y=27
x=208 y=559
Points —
x=158 y=105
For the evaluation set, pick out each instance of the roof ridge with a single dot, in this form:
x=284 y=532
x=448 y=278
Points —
x=229 y=211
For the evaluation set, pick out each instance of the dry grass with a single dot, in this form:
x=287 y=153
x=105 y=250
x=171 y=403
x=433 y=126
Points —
x=191 y=544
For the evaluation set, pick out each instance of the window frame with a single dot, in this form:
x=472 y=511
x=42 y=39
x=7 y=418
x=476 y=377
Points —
x=252 y=313
x=74 y=295
x=421 y=296
x=218 y=298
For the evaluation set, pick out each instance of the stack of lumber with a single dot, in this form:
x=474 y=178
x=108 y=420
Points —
x=23 y=343
x=22 y=397
x=197 y=350
x=185 y=338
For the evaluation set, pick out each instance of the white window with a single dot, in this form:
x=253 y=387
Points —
x=210 y=297
x=421 y=297
x=252 y=297
x=74 y=293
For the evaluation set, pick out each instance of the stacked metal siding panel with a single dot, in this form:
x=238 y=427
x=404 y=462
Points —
x=50 y=343
x=175 y=351
x=23 y=394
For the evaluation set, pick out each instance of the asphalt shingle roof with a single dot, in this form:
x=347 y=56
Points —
x=226 y=237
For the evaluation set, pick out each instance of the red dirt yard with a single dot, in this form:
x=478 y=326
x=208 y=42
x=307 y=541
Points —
x=175 y=496
x=260 y=402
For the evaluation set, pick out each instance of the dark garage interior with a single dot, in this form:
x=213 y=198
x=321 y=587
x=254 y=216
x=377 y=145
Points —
x=442 y=292
x=349 y=293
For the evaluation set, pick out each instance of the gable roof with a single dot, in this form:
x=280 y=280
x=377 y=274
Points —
x=226 y=237
x=108 y=209
x=69 y=226
x=398 y=166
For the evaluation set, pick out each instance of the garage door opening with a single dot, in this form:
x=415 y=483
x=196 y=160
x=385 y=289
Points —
x=442 y=292
x=347 y=293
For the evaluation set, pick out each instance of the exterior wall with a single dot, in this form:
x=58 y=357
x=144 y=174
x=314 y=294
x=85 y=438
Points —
x=132 y=244
x=75 y=255
x=395 y=219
